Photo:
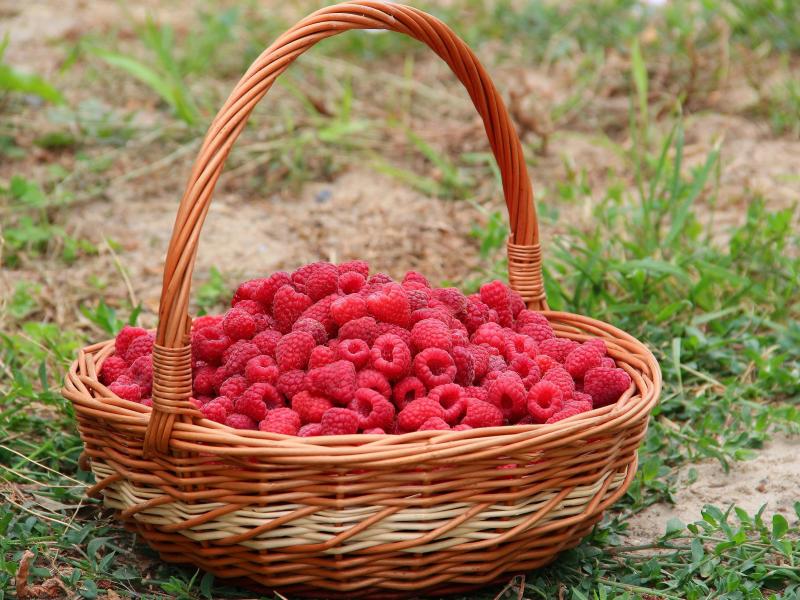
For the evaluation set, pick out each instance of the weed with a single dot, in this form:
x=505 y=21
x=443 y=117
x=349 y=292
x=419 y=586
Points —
x=14 y=81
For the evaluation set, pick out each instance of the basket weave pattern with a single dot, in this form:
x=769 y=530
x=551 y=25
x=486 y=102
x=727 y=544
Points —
x=360 y=514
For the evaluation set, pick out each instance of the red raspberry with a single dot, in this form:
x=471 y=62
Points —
x=517 y=344
x=293 y=350
x=545 y=363
x=597 y=344
x=209 y=344
x=287 y=307
x=440 y=314
x=581 y=401
x=250 y=403
x=434 y=424
x=351 y=282
x=281 y=420
x=537 y=332
x=462 y=427
x=113 y=367
x=239 y=421
x=390 y=305
x=315 y=328
x=608 y=363
x=301 y=274
x=336 y=381
x=339 y=421
x=558 y=348
x=261 y=368
x=355 y=266
x=237 y=356
x=565 y=413
x=403 y=334
x=374 y=431
x=492 y=335
x=126 y=389
x=459 y=336
x=562 y=379
x=544 y=400
x=372 y=408
x=310 y=407
x=219 y=377
x=292 y=382
x=581 y=359
x=526 y=367
x=478 y=393
x=215 y=411
x=465 y=365
x=452 y=298
x=495 y=295
x=417 y=412
x=323 y=281
x=310 y=430
x=321 y=356
x=262 y=290
x=378 y=279
x=203 y=381
x=141 y=371
x=267 y=341
x=124 y=338
x=482 y=414
x=239 y=324
x=434 y=366
x=476 y=313
x=480 y=356
x=431 y=333
x=417 y=299
x=416 y=277
x=266 y=393
x=321 y=311
x=508 y=394
x=407 y=390
x=140 y=346
x=496 y=363
x=451 y=398
x=348 y=308
x=516 y=303
x=206 y=321
x=365 y=328
x=251 y=307
x=225 y=402
x=356 y=351
x=529 y=317
x=233 y=387
x=390 y=356
x=374 y=380
x=605 y=386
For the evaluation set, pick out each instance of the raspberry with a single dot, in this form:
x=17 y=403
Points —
x=434 y=366
x=113 y=367
x=390 y=305
x=459 y=336
x=431 y=333
x=480 y=356
x=372 y=408
x=348 y=308
x=310 y=407
x=440 y=314
x=321 y=356
x=529 y=317
x=607 y=362
x=206 y=321
x=537 y=332
x=195 y=402
x=490 y=334
x=581 y=359
x=544 y=400
x=374 y=431
x=321 y=311
x=124 y=338
x=495 y=295
x=203 y=381
x=565 y=413
x=351 y=282
x=261 y=368
x=233 y=387
x=508 y=394
x=219 y=377
x=478 y=393
x=462 y=427
x=605 y=386
x=450 y=397
x=315 y=328
x=390 y=356
x=300 y=275
x=417 y=412
x=452 y=298
x=323 y=281
x=336 y=381
x=545 y=362
x=434 y=424
x=287 y=307
x=516 y=303
x=339 y=421
x=281 y=420
x=417 y=278
x=496 y=363
x=209 y=344
x=240 y=421
x=526 y=368
x=225 y=402
x=293 y=350
x=581 y=401
x=518 y=344
x=292 y=382
x=266 y=393
x=407 y=390
x=267 y=341
x=482 y=414
x=239 y=324
x=262 y=290
x=465 y=365
x=417 y=299
x=558 y=348
x=476 y=313
x=126 y=389
x=251 y=307
x=310 y=430
x=365 y=328
x=251 y=404
x=141 y=371
x=378 y=280
x=215 y=411
x=374 y=380
x=141 y=345
x=237 y=356
x=355 y=266
x=562 y=379
x=597 y=344
x=356 y=351
x=403 y=334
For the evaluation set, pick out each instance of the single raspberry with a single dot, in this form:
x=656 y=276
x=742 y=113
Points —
x=507 y=393
x=372 y=408
x=403 y=334
x=452 y=298
x=203 y=399
x=476 y=313
x=451 y=398
x=545 y=363
x=374 y=380
x=124 y=338
x=215 y=411
x=581 y=359
x=440 y=314
x=476 y=392
x=261 y=368
x=348 y=308
x=321 y=356
x=251 y=404
x=219 y=377
x=261 y=290
x=339 y=421
x=240 y=421
x=495 y=295
x=598 y=344
x=310 y=430
x=356 y=351
x=537 y=332
x=315 y=328
x=267 y=341
x=390 y=355
x=465 y=365
x=459 y=336
x=141 y=345
x=605 y=386
x=251 y=307
x=113 y=367
x=287 y=307
x=480 y=356
x=496 y=363
x=203 y=381
x=267 y=393
x=310 y=407
x=608 y=363
x=492 y=335
x=321 y=311
x=526 y=367
x=292 y=382
x=374 y=431
x=323 y=281
x=519 y=344
x=351 y=282
x=434 y=424
x=141 y=371
x=431 y=333
x=581 y=401
x=565 y=413
x=558 y=348
x=482 y=414
x=562 y=379
x=281 y=420
x=195 y=402
x=516 y=303
x=417 y=299
x=416 y=277
x=239 y=324
x=544 y=400
x=434 y=366
x=378 y=280
x=417 y=412
x=364 y=328
x=293 y=350
x=462 y=427
x=336 y=381
x=407 y=390
x=529 y=317
x=355 y=266
x=126 y=389
x=300 y=276
x=390 y=305
x=206 y=321
x=209 y=344
x=225 y=402
x=237 y=356
x=233 y=386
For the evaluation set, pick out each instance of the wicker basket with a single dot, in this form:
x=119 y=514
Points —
x=362 y=514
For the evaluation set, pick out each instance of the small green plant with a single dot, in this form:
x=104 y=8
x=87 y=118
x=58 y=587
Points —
x=14 y=81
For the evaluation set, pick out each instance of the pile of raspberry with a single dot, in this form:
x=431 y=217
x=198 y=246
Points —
x=330 y=350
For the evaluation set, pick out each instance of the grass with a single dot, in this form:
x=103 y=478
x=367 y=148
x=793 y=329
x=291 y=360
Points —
x=651 y=251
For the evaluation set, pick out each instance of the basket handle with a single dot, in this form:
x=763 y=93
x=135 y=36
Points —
x=172 y=376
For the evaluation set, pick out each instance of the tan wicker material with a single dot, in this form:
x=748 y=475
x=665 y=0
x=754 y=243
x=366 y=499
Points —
x=361 y=514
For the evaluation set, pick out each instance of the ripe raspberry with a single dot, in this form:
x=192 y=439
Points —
x=440 y=314
x=300 y=275
x=209 y=344
x=240 y=421
x=215 y=411
x=291 y=383
x=351 y=282
x=434 y=366
x=482 y=414
x=496 y=363
x=262 y=290
x=310 y=407
x=267 y=341
x=417 y=412
x=237 y=356
x=462 y=427
x=339 y=421
x=480 y=356
x=293 y=350
x=492 y=335
x=323 y=281
x=516 y=303
x=597 y=344
x=417 y=299
x=356 y=351
x=219 y=378
x=141 y=371
x=565 y=413
x=558 y=348
x=545 y=363
x=315 y=328
x=417 y=278
x=452 y=298
x=261 y=368
x=390 y=356
x=372 y=408
x=434 y=424
x=608 y=363
x=251 y=307
x=233 y=387
x=225 y=402
x=250 y=403
x=124 y=338
x=581 y=359
x=403 y=334
x=321 y=356
x=605 y=386
x=537 y=332
x=508 y=394
x=113 y=367
x=355 y=266
x=390 y=305
x=519 y=344
x=478 y=393
x=529 y=317
x=544 y=400
x=581 y=401
x=265 y=393
x=374 y=431
x=287 y=307
x=239 y=324
x=451 y=398
x=562 y=379
x=374 y=380
x=348 y=308
x=378 y=280
x=465 y=365
x=310 y=430
x=495 y=295
x=281 y=420
x=321 y=311
x=431 y=333
x=365 y=328
x=406 y=390
x=206 y=321
x=126 y=389
x=524 y=366
x=336 y=381
x=459 y=335
x=476 y=313
x=141 y=345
